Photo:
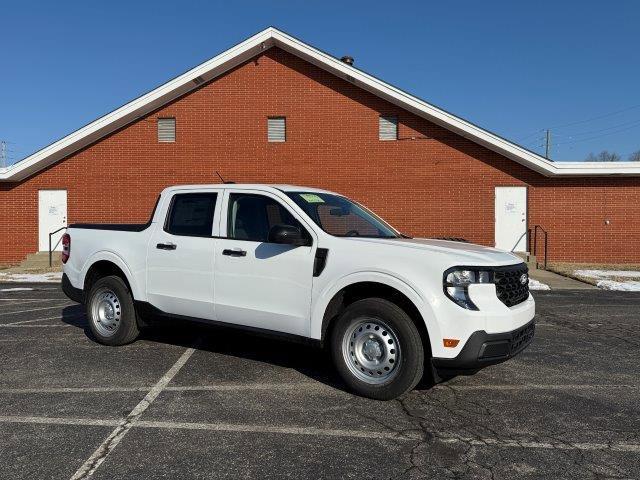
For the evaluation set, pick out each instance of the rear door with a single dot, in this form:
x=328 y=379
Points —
x=52 y=216
x=257 y=283
x=181 y=255
x=511 y=218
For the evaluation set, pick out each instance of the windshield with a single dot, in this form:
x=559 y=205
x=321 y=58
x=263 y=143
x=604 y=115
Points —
x=342 y=217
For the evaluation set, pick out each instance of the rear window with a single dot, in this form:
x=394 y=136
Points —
x=191 y=214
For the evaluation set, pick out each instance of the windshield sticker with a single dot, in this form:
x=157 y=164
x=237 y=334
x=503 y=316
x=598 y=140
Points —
x=311 y=198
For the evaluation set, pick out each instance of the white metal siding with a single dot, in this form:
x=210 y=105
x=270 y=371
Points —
x=166 y=129
x=388 y=129
x=277 y=129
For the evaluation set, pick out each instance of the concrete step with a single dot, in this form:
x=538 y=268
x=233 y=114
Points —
x=40 y=260
x=529 y=259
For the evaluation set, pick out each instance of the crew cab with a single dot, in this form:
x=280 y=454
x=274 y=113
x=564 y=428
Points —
x=307 y=264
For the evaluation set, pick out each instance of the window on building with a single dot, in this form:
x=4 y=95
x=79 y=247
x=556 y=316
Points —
x=252 y=216
x=166 y=130
x=388 y=128
x=277 y=129
x=191 y=214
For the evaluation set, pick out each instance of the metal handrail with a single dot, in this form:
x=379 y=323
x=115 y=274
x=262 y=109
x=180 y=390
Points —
x=51 y=249
x=535 y=244
x=518 y=241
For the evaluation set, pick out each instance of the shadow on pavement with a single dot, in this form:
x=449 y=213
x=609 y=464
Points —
x=311 y=361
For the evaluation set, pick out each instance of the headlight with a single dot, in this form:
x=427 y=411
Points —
x=457 y=281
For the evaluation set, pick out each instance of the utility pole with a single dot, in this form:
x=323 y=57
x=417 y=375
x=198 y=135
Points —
x=3 y=154
x=547 y=144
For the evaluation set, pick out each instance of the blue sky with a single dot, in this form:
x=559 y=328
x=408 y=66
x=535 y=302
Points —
x=513 y=67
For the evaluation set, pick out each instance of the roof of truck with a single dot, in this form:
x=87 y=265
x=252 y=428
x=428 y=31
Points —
x=249 y=186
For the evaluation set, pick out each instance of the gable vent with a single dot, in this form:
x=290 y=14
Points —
x=166 y=129
x=276 y=129
x=388 y=128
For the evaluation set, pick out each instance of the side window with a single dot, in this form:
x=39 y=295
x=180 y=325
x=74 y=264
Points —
x=252 y=216
x=191 y=214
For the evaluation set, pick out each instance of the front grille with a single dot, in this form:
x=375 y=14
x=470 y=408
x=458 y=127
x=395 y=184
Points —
x=509 y=288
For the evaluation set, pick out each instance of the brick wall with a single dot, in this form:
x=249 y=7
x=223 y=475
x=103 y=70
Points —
x=429 y=183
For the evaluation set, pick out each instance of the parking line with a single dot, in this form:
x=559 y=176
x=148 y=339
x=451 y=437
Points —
x=32 y=391
x=250 y=428
x=497 y=442
x=58 y=317
x=60 y=421
x=197 y=388
x=111 y=442
x=239 y=387
x=313 y=431
x=20 y=301
x=38 y=309
x=36 y=326
x=539 y=387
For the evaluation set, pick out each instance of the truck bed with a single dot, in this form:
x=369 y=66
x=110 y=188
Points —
x=121 y=227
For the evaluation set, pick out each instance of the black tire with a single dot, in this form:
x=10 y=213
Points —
x=410 y=364
x=114 y=291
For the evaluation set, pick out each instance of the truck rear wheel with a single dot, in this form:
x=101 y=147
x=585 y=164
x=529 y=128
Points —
x=111 y=313
x=377 y=349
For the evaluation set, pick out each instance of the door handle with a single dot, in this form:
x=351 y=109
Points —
x=234 y=253
x=166 y=246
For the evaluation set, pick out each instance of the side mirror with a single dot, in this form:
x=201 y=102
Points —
x=288 y=235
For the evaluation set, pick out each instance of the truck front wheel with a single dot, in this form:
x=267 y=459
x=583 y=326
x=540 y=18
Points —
x=111 y=313
x=377 y=349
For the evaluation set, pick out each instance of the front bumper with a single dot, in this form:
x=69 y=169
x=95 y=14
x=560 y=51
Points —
x=484 y=349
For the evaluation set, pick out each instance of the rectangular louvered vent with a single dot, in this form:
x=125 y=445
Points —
x=388 y=128
x=277 y=129
x=166 y=129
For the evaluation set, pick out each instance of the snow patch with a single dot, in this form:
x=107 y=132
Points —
x=14 y=289
x=608 y=273
x=31 y=277
x=605 y=279
x=536 y=285
x=630 y=286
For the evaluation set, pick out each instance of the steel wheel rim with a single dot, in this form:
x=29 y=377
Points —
x=106 y=312
x=371 y=350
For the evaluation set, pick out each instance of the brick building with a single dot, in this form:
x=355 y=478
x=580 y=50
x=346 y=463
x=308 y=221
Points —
x=275 y=110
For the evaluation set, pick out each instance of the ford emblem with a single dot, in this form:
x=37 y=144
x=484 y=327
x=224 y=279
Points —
x=523 y=278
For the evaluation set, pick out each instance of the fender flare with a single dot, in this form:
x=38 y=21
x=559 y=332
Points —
x=106 y=255
x=322 y=301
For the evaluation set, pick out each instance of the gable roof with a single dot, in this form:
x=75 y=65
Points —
x=273 y=37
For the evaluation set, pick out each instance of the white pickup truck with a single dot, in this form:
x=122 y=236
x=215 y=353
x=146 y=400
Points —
x=307 y=264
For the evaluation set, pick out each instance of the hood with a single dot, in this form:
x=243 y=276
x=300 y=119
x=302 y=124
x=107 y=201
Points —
x=461 y=253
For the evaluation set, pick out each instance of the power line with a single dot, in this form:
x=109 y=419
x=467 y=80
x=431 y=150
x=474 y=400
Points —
x=610 y=114
x=591 y=132
x=598 y=136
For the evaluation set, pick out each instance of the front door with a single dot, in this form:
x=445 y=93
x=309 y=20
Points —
x=52 y=215
x=511 y=218
x=181 y=255
x=257 y=283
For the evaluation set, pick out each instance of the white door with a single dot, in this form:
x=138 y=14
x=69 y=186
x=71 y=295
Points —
x=257 y=283
x=52 y=215
x=180 y=257
x=511 y=218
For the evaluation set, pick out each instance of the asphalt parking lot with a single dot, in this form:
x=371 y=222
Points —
x=193 y=402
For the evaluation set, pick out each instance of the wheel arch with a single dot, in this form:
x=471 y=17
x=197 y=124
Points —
x=107 y=263
x=358 y=286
